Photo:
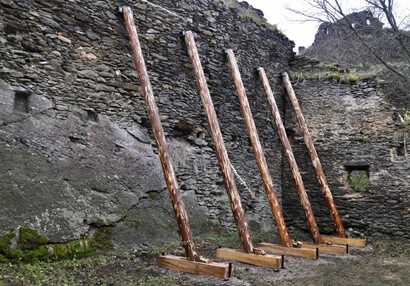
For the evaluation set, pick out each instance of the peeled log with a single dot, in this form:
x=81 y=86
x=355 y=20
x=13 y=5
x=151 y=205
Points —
x=169 y=174
x=228 y=176
x=257 y=149
x=315 y=159
x=304 y=200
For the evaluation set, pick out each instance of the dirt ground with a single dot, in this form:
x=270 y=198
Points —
x=379 y=263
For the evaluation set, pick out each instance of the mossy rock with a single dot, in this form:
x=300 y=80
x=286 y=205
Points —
x=5 y=243
x=32 y=247
x=103 y=238
x=40 y=254
x=132 y=222
x=30 y=239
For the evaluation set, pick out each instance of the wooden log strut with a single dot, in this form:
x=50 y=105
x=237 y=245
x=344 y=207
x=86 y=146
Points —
x=315 y=159
x=228 y=176
x=314 y=230
x=169 y=174
x=257 y=149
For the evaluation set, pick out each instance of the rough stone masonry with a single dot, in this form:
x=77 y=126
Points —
x=76 y=147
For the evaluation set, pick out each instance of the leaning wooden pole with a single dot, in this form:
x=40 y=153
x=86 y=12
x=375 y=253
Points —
x=314 y=230
x=169 y=174
x=315 y=159
x=228 y=176
x=257 y=149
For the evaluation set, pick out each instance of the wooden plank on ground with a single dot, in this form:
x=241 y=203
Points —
x=217 y=269
x=291 y=251
x=273 y=261
x=329 y=248
x=350 y=241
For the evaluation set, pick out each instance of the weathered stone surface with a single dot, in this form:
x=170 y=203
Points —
x=85 y=121
x=61 y=176
x=354 y=129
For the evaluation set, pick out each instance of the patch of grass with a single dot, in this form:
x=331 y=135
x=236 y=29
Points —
x=229 y=239
x=382 y=263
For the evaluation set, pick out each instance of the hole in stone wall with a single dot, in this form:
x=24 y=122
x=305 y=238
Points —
x=401 y=152
x=358 y=176
x=92 y=116
x=21 y=101
x=183 y=128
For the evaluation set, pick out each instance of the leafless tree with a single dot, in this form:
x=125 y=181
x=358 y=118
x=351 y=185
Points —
x=333 y=11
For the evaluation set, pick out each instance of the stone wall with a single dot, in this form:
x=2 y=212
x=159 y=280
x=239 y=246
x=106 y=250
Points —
x=76 y=149
x=362 y=144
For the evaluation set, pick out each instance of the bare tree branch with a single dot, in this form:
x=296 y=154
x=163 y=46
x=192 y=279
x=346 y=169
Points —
x=331 y=11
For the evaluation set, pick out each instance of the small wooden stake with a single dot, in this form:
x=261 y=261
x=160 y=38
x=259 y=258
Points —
x=222 y=154
x=347 y=241
x=257 y=149
x=221 y=270
x=304 y=200
x=329 y=248
x=272 y=261
x=315 y=159
x=290 y=251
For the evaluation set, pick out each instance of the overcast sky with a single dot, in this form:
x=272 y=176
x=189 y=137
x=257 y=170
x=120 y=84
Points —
x=303 y=33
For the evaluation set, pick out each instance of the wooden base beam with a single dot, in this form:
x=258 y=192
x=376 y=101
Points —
x=329 y=248
x=272 y=261
x=340 y=240
x=309 y=253
x=221 y=270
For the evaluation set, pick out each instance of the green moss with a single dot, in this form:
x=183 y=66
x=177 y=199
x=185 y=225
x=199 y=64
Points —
x=352 y=79
x=40 y=254
x=132 y=222
x=103 y=238
x=80 y=248
x=333 y=76
x=274 y=28
x=366 y=139
x=232 y=7
x=30 y=239
x=152 y=195
x=33 y=247
x=226 y=240
x=16 y=255
x=5 y=242
x=208 y=226
x=99 y=222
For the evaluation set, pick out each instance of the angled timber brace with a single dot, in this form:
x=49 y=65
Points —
x=250 y=255
x=192 y=263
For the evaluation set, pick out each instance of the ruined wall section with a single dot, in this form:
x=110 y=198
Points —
x=76 y=118
x=363 y=147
